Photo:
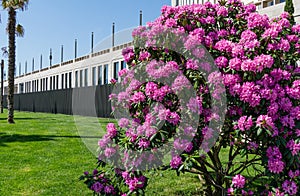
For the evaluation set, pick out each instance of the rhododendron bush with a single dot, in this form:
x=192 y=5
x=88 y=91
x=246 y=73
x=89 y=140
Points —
x=211 y=89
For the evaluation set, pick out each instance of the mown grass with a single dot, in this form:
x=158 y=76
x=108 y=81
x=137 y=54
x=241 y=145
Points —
x=44 y=154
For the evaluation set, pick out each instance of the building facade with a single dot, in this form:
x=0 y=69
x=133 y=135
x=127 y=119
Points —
x=272 y=8
x=91 y=70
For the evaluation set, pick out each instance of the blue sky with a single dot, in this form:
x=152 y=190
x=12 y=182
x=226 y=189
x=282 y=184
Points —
x=50 y=24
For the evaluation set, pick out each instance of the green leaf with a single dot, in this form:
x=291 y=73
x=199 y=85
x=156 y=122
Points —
x=259 y=131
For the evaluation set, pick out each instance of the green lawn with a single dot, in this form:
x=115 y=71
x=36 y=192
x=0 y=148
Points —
x=43 y=154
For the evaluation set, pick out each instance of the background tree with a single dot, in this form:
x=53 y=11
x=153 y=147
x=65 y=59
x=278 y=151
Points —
x=289 y=8
x=11 y=6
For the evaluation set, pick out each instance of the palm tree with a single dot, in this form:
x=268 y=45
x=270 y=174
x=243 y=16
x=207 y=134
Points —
x=11 y=6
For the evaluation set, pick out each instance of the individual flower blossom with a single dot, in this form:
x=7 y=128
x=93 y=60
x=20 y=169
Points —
x=231 y=79
x=183 y=145
x=247 y=36
x=221 y=61
x=222 y=11
x=290 y=187
x=190 y=131
x=256 y=20
x=238 y=181
x=195 y=105
x=180 y=83
x=144 y=143
x=293 y=146
x=274 y=153
x=192 y=64
x=97 y=187
x=224 y=45
x=113 y=81
x=249 y=92
x=237 y=51
x=123 y=123
x=245 y=123
x=172 y=117
x=122 y=72
x=230 y=191
x=109 y=152
x=175 y=162
x=296 y=28
x=171 y=22
x=128 y=54
x=284 y=45
x=144 y=56
x=138 y=97
x=123 y=97
x=235 y=63
x=198 y=52
x=275 y=164
x=207 y=133
x=250 y=8
x=102 y=143
x=111 y=130
x=109 y=189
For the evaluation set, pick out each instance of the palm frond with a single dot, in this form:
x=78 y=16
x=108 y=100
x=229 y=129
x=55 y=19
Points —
x=4 y=51
x=15 y=4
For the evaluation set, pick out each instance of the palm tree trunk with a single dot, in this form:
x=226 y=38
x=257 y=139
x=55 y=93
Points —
x=11 y=63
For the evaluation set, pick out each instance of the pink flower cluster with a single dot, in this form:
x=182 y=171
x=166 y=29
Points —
x=275 y=164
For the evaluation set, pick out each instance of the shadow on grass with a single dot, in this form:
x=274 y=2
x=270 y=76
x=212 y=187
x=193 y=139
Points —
x=4 y=138
x=28 y=118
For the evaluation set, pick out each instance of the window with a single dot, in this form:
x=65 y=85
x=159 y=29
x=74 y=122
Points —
x=21 y=87
x=86 y=77
x=32 y=83
x=94 y=78
x=51 y=87
x=44 y=81
x=116 y=70
x=57 y=81
x=66 y=80
x=62 y=81
x=105 y=78
x=100 y=75
x=41 y=84
x=123 y=65
x=46 y=84
x=53 y=82
x=76 y=78
x=81 y=78
x=70 y=79
x=37 y=85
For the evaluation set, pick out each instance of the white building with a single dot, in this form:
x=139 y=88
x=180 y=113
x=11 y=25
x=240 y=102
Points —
x=93 y=69
x=272 y=8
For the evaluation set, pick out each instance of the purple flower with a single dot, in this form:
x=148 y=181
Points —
x=123 y=122
x=221 y=61
x=144 y=56
x=138 y=97
x=290 y=187
x=245 y=123
x=176 y=162
x=97 y=187
x=109 y=189
x=222 y=11
x=109 y=152
x=238 y=181
x=111 y=130
x=128 y=54
x=144 y=143
x=256 y=20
